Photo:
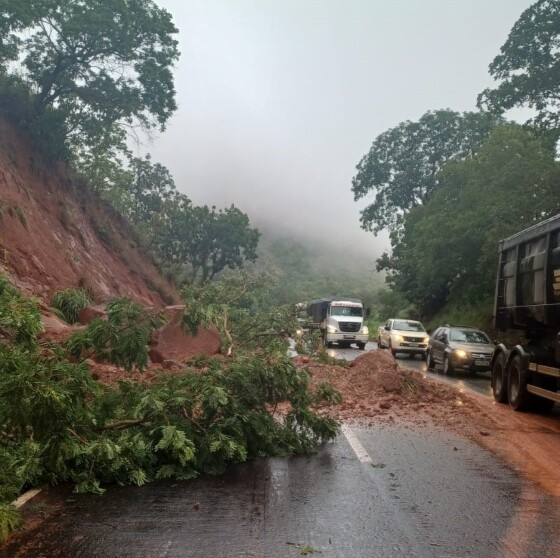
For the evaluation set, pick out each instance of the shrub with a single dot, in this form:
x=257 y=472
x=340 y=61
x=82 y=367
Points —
x=69 y=302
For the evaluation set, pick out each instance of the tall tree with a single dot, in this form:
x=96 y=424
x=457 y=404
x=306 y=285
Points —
x=528 y=67
x=202 y=240
x=401 y=168
x=95 y=62
x=448 y=248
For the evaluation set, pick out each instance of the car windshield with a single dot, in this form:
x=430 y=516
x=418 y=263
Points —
x=469 y=336
x=356 y=311
x=408 y=326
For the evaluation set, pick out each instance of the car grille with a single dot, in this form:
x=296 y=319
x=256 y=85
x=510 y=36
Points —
x=414 y=339
x=349 y=326
x=480 y=356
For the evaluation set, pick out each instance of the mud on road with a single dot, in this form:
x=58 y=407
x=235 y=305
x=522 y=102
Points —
x=422 y=485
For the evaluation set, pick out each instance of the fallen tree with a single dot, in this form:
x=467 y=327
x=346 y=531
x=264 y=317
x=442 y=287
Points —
x=58 y=424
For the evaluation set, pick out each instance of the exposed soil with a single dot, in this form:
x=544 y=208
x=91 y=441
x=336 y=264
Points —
x=54 y=233
x=375 y=389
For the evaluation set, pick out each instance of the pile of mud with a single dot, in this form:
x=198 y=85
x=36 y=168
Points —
x=374 y=385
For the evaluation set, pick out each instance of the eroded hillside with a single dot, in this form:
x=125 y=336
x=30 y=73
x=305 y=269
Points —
x=55 y=234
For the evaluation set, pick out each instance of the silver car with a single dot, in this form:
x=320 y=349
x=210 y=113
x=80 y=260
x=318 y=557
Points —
x=459 y=349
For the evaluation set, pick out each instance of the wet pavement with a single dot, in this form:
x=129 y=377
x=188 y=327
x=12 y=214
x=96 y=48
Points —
x=420 y=494
x=376 y=492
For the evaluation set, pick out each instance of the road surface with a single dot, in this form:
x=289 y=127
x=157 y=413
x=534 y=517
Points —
x=377 y=492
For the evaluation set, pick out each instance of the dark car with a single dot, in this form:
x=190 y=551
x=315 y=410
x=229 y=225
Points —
x=459 y=348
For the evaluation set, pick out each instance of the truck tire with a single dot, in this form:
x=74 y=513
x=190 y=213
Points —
x=518 y=396
x=361 y=346
x=499 y=379
x=447 y=366
x=379 y=345
x=326 y=343
x=429 y=361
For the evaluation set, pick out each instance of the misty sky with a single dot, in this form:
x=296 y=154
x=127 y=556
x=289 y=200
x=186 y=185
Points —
x=279 y=99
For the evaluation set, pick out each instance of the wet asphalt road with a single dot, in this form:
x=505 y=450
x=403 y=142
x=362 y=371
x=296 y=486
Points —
x=402 y=492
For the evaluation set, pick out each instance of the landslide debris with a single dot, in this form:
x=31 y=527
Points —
x=374 y=385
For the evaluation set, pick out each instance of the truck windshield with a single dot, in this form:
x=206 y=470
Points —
x=469 y=336
x=355 y=311
x=408 y=326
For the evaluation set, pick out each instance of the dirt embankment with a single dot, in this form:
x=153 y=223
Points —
x=375 y=389
x=54 y=233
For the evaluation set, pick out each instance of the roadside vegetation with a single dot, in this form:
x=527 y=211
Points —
x=58 y=424
x=450 y=186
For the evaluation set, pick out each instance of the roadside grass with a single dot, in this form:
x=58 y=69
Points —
x=479 y=316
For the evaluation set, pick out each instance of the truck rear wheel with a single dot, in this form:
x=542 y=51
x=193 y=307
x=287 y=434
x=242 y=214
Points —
x=499 y=379
x=361 y=346
x=518 y=396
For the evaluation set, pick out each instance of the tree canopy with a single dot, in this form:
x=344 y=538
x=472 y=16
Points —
x=447 y=248
x=528 y=67
x=93 y=63
x=401 y=167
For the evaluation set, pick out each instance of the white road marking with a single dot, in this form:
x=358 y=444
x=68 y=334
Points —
x=24 y=498
x=355 y=444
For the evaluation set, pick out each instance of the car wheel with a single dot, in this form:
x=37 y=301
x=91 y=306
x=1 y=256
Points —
x=499 y=379
x=447 y=367
x=430 y=364
x=361 y=346
x=518 y=396
x=379 y=345
x=393 y=352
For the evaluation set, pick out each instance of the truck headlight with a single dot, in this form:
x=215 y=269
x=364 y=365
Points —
x=426 y=340
x=331 y=329
x=299 y=332
x=365 y=330
x=399 y=338
x=460 y=353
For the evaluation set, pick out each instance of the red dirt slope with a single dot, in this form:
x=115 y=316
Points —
x=55 y=234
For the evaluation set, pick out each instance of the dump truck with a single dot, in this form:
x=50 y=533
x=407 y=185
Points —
x=340 y=320
x=527 y=301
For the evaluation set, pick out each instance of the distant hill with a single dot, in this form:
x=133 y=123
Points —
x=305 y=270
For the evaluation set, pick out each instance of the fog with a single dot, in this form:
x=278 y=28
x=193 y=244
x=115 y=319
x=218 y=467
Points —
x=279 y=99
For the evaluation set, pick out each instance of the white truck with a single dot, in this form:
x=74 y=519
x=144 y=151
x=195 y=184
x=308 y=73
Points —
x=341 y=321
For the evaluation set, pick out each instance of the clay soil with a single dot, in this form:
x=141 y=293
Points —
x=376 y=390
x=55 y=233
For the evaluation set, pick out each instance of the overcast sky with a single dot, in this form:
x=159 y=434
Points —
x=279 y=99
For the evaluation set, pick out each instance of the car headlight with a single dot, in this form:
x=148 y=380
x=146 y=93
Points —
x=365 y=330
x=331 y=329
x=399 y=338
x=460 y=353
x=426 y=340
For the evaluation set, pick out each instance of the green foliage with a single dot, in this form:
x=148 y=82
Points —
x=304 y=271
x=527 y=67
x=401 y=168
x=58 y=424
x=69 y=302
x=10 y=520
x=93 y=63
x=201 y=240
x=20 y=319
x=236 y=305
x=447 y=250
x=122 y=338
x=391 y=303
